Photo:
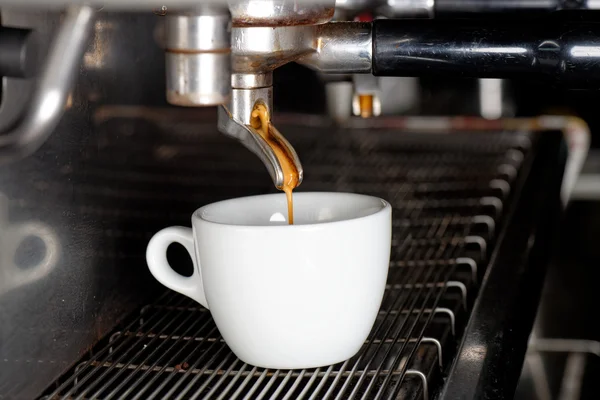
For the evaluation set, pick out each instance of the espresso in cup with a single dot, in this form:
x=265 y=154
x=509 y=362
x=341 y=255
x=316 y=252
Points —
x=285 y=296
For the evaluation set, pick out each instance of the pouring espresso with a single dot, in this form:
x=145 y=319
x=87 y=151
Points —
x=260 y=120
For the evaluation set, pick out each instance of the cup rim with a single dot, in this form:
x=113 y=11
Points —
x=385 y=205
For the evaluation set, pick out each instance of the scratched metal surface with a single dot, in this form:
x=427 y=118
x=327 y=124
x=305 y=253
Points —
x=64 y=281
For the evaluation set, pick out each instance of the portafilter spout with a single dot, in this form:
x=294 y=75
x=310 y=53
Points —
x=235 y=120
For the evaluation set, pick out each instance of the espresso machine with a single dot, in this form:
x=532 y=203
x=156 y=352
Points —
x=224 y=55
x=122 y=117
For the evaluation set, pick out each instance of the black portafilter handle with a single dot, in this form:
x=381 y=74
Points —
x=563 y=52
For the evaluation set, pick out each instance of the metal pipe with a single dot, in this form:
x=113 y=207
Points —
x=341 y=47
x=546 y=49
x=50 y=96
x=454 y=7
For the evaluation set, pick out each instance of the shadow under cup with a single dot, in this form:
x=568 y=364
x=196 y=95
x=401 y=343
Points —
x=293 y=296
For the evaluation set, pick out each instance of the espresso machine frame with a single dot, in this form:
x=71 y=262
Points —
x=73 y=66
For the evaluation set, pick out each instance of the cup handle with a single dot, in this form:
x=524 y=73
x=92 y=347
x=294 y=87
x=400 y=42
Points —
x=156 y=257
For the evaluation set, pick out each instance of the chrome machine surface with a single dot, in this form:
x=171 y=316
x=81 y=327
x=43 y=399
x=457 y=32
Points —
x=64 y=280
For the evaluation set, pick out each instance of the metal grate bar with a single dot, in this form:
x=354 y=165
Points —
x=268 y=373
x=270 y=383
x=125 y=354
x=212 y=376
x=220 y=381
x=282 y=385
x=166 y=350
x=73 y=379
x=141 y=378
x=400 y=353
x=425 y=387
x=256 y=385
x=245 y=383
x=307 y=386
x=200 y=360
x=321 y=384
x=336 y=380
x=420 y=334
x=234 y=380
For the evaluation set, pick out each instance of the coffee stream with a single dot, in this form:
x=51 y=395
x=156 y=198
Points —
x=260 y=120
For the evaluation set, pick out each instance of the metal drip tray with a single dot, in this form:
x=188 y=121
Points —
x=450 y=195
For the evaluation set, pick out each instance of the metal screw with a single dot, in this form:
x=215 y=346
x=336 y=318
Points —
x=162 y=11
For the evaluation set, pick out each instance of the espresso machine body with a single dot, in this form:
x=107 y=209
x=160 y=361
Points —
x=122 y=118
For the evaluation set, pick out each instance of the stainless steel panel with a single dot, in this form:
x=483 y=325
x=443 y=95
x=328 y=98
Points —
x=66 y=272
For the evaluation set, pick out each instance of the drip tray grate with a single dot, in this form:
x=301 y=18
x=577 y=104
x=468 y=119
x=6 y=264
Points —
x=449 y=198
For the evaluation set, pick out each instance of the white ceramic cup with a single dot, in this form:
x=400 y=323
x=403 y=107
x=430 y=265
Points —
x=285 y=296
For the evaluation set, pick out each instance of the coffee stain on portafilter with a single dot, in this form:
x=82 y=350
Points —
x=261 y=121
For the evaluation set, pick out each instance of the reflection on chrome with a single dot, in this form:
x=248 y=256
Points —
x=500 y=50
x=585 y=51
x=12 y=236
